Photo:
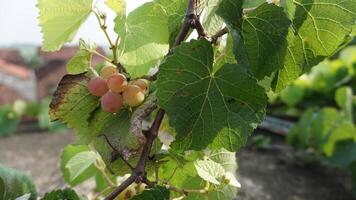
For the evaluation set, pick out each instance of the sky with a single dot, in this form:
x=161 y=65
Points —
x=19 y=23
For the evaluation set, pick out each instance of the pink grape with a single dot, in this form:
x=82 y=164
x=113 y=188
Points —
x=142 y=83
x=98 y=86
x=117 y=83
x=108 y=71
x=133 y=95
x=111 y=102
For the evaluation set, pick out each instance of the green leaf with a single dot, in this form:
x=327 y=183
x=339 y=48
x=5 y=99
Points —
x=144 y=38
x=14 y=184
x=217 y=193
x=252 y=3
x=232 y=181
x=292 y=94
x=225 y=158
x=207 y=107
x=72 y=104
x=344 y=154
x=175 y=12
x=212 y=22
x=117 y=128
x=2 y=188
x=209 y=171
x=264 y=32
x=118 y=6
x=156 y=193
x=65 y=194
x=60 y=20
x=231 y=12
x=322 y=130
x=318 y=30
x=69 y=155
x=343 y=98
x=344 y=130
x=119 y=134
x=80 y=162
x=179 y=170
x=225 y=53
x=24 y=197
x=81 y=61
x=300 y=135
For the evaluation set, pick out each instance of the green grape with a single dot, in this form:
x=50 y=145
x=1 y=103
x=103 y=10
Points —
x=133 y=95
x=108 y=71
x=111 y=102
x=97 y=86
x=141 y=83
x=117 y=83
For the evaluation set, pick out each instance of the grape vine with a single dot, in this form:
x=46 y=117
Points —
x=166 y=113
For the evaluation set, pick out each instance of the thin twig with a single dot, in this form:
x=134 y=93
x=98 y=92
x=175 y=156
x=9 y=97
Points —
x=121 y=187
x=103 y=27
x=100 y=55
x=199 y=27
x=219 y=34
x=139 y=174
x=117 y=151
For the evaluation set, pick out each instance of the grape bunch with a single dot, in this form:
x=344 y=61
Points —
x=115 y=91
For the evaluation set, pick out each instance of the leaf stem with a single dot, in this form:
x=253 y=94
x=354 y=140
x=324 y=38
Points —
x=106 y=177
x=186 y=191
x=103 y=27
x=100 y=55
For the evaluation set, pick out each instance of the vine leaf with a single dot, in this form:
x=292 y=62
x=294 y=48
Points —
x=80 y=162
x=210 y=20
x=80 y=62
x=2 y=188
x=207 y=107
x=14 y=184
x=322 y=130
x=117 y=128
x=156 y=193
x=24 y=197
x=72 y=104
x=209 y=170
x=175 y=12
x=118 y=6
x=264 y=32
x=185 y=174
x=344 y=99
x=60 y=20
x=319 y=29
x=66 y=193
x=231 y=11
x=143 y=42
x=227 y=159
x=282 y=48
x=69 y=155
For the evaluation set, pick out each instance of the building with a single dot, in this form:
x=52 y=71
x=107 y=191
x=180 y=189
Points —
x=20 y=81
x=17 y=80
